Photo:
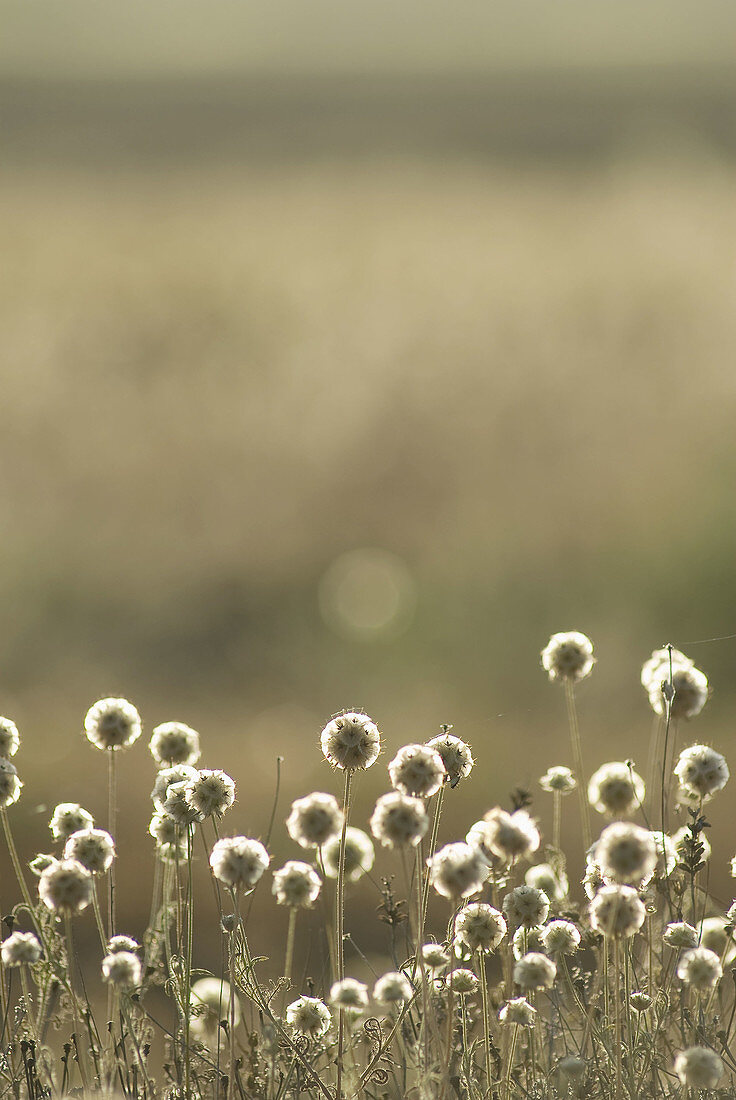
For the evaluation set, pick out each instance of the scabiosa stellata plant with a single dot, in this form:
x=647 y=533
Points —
x=358 y=858
x=700 y=968
x=239 y=862
x=314 y=820
x=616 y=790
x=457 y=871
x=309 y=1016
x=680 y=935
x=122 y=969
x=455 y=754
x=560 y=937
x=9 y=738
x=393 y=988
x=10 y=784
x=702 y=770
x=699 y=1068
x=617 y=911
x=417 y=770
x=351 y=997
x=480 y=927
x=122 y=943
x=553 y=881
x=167 y=777
x=351 y=741
x=511 y=836
x=211 y=1001
x=690 y=687
x=211 y=793
x=93 y=848
x=68 y=818
x=112 y=724
x=626 y=854
x=534 y=971
x=65 y=887
x=399 y=820
x=527 y=906
x=21 y=949
x=174 y=743
x=296 y=885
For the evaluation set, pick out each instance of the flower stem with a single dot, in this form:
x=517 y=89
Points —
x=577 y=751
x=339 y=925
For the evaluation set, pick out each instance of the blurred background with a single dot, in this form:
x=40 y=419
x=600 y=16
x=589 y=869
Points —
x=349 y=351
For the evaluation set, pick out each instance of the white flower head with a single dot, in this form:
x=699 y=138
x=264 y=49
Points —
x=93 y=848
x=179 y=808
x=392 y=988
x=717 y=934
x=498 y=867
x=351 y=996
x=534 y=971
x=560 y=937
x=616 y=790
x=417 y=770
x=558 y=779
x=657 y=667
x=21 y=949
x=399 y=820
x=456 y=756
x=174 y=743
x=463 y=982
x=526 y=906
x=66 y=887
x=10 y=784
x=309 y=1016
x=351 y=741
x=239 y=862
x=122 y=969
x=211 y=1001
x=690 y=691
x=164 y=829
x=553 y=882
x=568 y=656
x=526 y=940
x=480 y=927
x=112 y=724
x=122 y=943
x=434 y=958
x=626 y=854
x=680 y=935
x=517 y=1010
x=702 y=770
x=360 y=855
x=9 y=738
x=296 y=884
x=699 y=1068
x=167 y=777
x=211 y=793
x=68 y=818
x=617 y=911
x=511 y=836
x=457 y=871
x=314 y=820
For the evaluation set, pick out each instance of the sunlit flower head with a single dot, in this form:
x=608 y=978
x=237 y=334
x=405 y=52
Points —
x=558 y=779
x=21 y=949
x=314 y=820
x=702 y=770
x=680 y=935
x=66 y=887
x=626 y=854
x=360 y=855
x=68 y=818
x=553 y=882
x=517 y=1010
x=527 y=906
x=112 y=724
x=296 y=884
x=560 y=937
x=211 y=793
x=417 y=770
x=351 y=741
x=122 y=969
x=211 y=1001
x=617 y=911
x=309 y=1016
x=10 y=784
x=392 y=988
x=351 y=996
x=174 y=743
x=699 y=1068
x=457 y=871
x=399 y=820
x=167 y=777
x=616 y=790
x=480 y=927
x=511 y=836
x=93 y=848
x=700 y=968
x=122 y=943
x=456 y=756
x=239 y=862
x=9 y=738
x=568 y=656
x=690 y=692
x=534 y=971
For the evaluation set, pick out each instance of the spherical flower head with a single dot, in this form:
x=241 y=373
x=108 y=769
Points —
x=392 y=988
x=560 y=937
x=10 y=784
x=178 y=807
x=702 y=770
x=417 y=770
x=525 y=906
x=174 y=743
x=699 y=1068
x=568 y=656
x=351 y=996
x=457 y=871
x=112 y=724
x=40 y=862
x=615 y=789
x=210 y=1002
x=680 y=935
x=68 y=818
x=122 y=969
x=164 y=829
x=463 y=982
x=314 y=820
x=456 y=756
x=399 y=820
x=434 y=958
x=526 y=940
x=517 y=1010
x=239 y=862
x=640 y=1002
x=535 y=971
x=657 y=667
x=21 y=949
x=211 y=793
x=498 y=867
x=617 y=911
x=66 y=887
x=680 y=840
x=93 y=848
x=9 y=738
x=309 y=1016
x=360 y=855
x=480 y=927
x=511 y=836
x=296 y=884
x=351 y=741
x=626 y=854
x=179 y=773
x=122 y=943
x=558 y=780
x=691 y=692
x=717 y=934
x=544 y=877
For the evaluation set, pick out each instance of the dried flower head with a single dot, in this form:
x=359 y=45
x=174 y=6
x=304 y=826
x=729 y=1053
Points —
x=680 y=935
x=309 y=1016
x=657 y=667
x=517 y=1010
x=560 y=937
x=434 y=958
x=534 y=971
x=527 y=906
x=112 y=724
x=616 y=790
x=498 y=867
x=545 y=877
x=717 y=933
x=351 y=996
x=174 y=743
x=480 y=927
x=351 y=741
x=640 y=1002
x=122 y=943
x=68 y=818
x=21 y=949
x=10 y=784
x=511 y=836
x=417 y=770
x=122 y=969
x=314 y=820
x=690 y=691
x=463 y=982
x=702 y=770
x=211 y=1001
x=393 y=988
x=700 y=968
x=164 y=829
x=558 y=779
x=239 y=862
x=66 y=887
x=211 y=793
x=617 y=911
x=699 y=1068
x=568 y=656
x=9 y=738
x=526 y=940
x=626 y=854
x=360 y=855
x=93 y=848
x=296 y=884
x=399 y=820
x=178 y=807
x=457 y=871
x=456 y=756
x=167 y=777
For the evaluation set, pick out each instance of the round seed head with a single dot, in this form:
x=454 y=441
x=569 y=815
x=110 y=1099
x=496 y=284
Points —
x=463 y=982
x=559 y=779
x=349 y=995
x=314 y=820
x=435 y=958
x=417 y=770
x=699 y=1068
x=568 y=656
x=525 y=906
x=21 y=949
x=239 y=862
x=65 y=887
x=617 y=911
x=455 y=754
x=717 y=934
x=511 y=836
x=554 y=883
x=700 y=968
x=10 y=784
x=93 y=848
x=535 y=971
x=480 y=927
x=211 y=793
x=560 y=937
x=112 y=724
x=691 y=692
x=40 y=862
x=657 y=667
x=457 y=871
x=309 y=1016
x=526 y=940
x=359 y=855
x=179 y=808
x=702 y=770
x=122 y=943
x=209 y=1003
x=680 y=935
x=399 y=820
x=392 y=988
x=297 y=885
x=9 y=738
x=174 y=743
x=351 y=741
x=626 y=854
x=164 y=829
x=122 y=969
x=640 y=1002
x=68 y=818
x=179 y=773
x=616 y=790
x=517 y=1010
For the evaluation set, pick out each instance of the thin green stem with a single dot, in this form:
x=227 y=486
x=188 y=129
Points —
x=112 y=829
x=486 y=1019
x=577 y=751
x=339 y=925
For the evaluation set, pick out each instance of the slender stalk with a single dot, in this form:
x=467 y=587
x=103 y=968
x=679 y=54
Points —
x=231 y=1002
x=486 y=1019
x=510 y=1064
x=112 y=829
x=439 y=803
x=339 y=925
x=188 y=964
x=290 y=937
x=577 y=751
x=450 y=1003
x=617 y=1010
x=556 y=819
x=75 y=1006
